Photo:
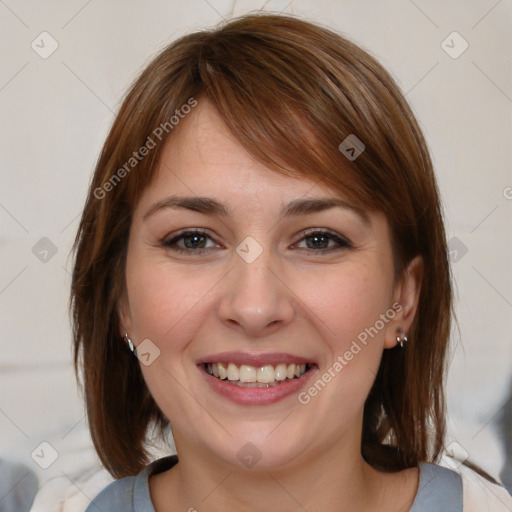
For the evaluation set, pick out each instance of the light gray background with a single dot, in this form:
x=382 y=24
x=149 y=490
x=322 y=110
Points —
x=56 y=112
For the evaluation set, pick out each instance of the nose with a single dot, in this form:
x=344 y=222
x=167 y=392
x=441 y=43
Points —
x=256 y=299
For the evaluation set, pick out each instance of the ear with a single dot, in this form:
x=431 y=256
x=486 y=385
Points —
x=124 y=315
x=407 y=294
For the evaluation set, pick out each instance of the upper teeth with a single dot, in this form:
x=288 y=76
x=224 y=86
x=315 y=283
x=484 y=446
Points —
x=247 y=373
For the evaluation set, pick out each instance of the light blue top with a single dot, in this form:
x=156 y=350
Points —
x=439 y=490
x=18 y=487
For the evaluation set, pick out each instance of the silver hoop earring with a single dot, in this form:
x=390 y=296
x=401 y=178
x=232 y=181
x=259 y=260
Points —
x=130 y=344
x=401 y=340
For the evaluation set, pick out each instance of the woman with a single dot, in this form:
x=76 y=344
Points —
x=263 y=232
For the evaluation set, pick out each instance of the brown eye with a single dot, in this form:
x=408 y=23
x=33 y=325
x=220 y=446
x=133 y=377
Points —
x=191 y=241
x=323 y=241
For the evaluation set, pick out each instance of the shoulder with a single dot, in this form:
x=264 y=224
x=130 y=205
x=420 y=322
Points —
x=481 y=495
x=117 y=496
x=18 y=486
x=454 y=487
x=131 y=494
x=439 y=488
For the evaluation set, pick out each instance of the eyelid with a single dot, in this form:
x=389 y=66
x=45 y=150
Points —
x=324 y=231
x=187 y=231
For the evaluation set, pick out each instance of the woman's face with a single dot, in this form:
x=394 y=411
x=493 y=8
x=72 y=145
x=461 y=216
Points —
x=275 y=277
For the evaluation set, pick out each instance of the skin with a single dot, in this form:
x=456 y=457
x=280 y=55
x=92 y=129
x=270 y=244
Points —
x=309 y=303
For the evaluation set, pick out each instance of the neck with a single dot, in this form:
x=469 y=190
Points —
x=336 y=478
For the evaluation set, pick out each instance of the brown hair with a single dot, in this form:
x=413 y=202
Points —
x=290 y=92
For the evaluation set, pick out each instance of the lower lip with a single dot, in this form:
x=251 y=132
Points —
x=257 y=396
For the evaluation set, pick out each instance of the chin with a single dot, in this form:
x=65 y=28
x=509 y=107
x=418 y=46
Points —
x=253 y=449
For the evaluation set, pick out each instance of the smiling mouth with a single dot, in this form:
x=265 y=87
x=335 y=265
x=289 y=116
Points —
x=256 y=376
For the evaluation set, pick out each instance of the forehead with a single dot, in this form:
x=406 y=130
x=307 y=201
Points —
x=203 y=168
x=202 y=157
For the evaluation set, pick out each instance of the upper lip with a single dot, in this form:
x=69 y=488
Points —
x=253 y=359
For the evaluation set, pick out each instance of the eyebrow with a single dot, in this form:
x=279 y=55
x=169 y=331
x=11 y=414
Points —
x=209 y=206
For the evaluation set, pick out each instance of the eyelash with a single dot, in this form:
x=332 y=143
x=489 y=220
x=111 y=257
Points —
x=341 y=241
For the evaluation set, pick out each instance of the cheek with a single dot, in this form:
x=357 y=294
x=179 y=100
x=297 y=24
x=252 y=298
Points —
x=348 y=312
x=349 y=303
x=166 y=301
x=167 y=306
